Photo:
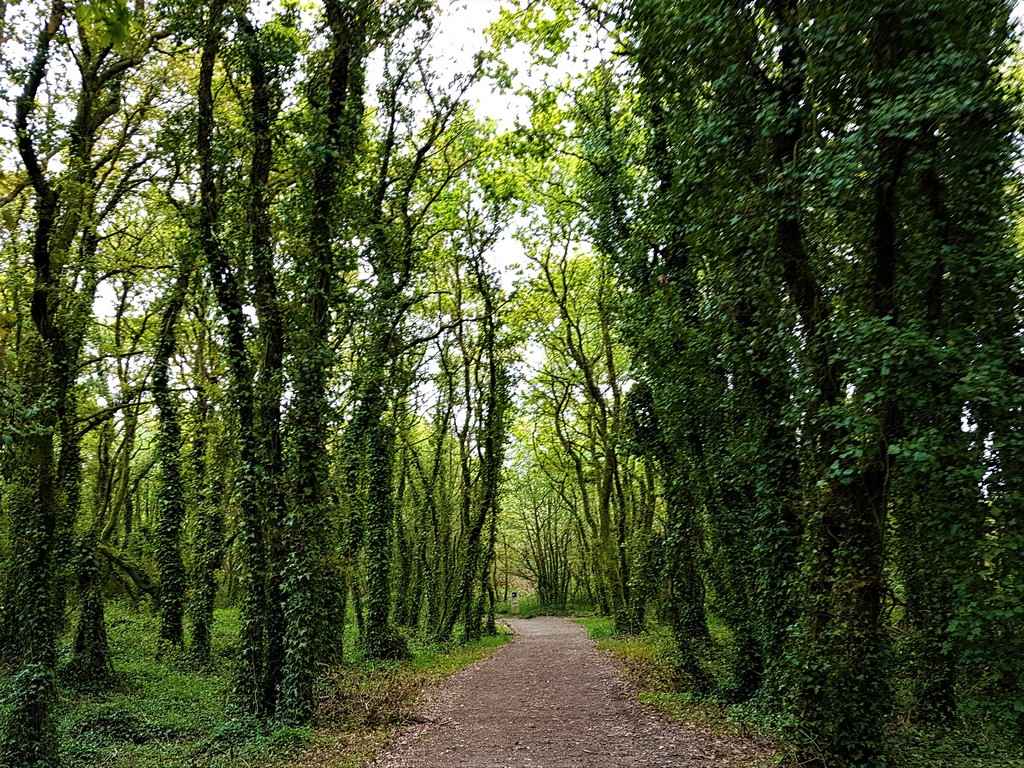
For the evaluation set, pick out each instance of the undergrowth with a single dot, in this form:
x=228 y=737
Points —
x=360 y=702
x=649 y=664
x=166 y=712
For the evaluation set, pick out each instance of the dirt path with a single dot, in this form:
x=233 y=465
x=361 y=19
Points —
x=550 y=700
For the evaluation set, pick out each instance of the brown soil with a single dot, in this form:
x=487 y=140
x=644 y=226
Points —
x=550 y=700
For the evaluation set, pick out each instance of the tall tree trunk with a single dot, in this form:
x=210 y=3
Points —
x=171 y=500
x=686 y=600
x=209 y=461
x=381 y=641
x=90 y=668
x=250 y=690
x=30 y=734
x=306 y=528
x=269 y=387
x=30 y=730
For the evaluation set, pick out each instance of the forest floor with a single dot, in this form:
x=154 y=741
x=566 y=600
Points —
x=550 y=699
x=546 y=699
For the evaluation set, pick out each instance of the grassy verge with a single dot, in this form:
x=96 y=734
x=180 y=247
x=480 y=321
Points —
x=361 y=703
x=167 y=713
x=649 y=664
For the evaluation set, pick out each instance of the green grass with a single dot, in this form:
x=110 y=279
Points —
x=167 y=713
x=598 y=627
x=162 y=711
x=649 y=659
x=961 y=746
x=649 y=663
x=531 y=606
x=443 y=661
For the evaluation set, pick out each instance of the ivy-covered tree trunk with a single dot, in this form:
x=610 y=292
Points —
x=381 y=640
x=686 y=598
x=404 y=555
x=472 y=517
x=90 y=668
x=961 y=287
x=210 y=459
x=171 y=500
x=269 y=387
x=250 y=689
x=30 y=734
x=494 y=432
x=30 y=730
x=305 y=529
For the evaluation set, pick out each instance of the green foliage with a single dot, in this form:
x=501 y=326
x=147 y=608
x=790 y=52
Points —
x=105 y=22
x=598 y=627
x=966 y=746
x=761 y=373
x=164 y=712
x=801 y=283
x=29 y=735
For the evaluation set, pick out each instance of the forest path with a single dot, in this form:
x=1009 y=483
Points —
x=550 y=700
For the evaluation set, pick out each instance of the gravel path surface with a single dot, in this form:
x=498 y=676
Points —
x=549 y=700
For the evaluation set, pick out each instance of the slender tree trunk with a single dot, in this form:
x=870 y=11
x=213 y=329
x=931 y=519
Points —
x=30 y=734
x=306 y=528
x=381 y=640
x=172 y=504
x=250 y=690
x=209 y=462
